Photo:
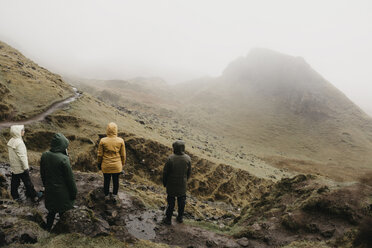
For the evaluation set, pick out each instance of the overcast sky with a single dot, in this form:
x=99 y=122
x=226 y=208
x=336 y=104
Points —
x=181 y=40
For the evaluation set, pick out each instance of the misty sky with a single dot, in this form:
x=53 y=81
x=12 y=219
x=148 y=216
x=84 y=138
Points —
x=182 y=40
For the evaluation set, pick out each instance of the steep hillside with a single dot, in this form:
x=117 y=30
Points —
x=22 y=82
x=284 y=111
x=265 y=109
x=226 y=206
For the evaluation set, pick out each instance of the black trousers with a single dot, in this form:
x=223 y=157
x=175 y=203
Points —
x=50 y=219
x=115 y=182
x=16 y=181
x=181 y=202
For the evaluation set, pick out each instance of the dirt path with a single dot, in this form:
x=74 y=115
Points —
x=55 y=106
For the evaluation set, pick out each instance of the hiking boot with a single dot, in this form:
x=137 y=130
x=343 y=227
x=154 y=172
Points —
x=114 y=198
x=107 y=198
x=167 y=221
x=179 y=219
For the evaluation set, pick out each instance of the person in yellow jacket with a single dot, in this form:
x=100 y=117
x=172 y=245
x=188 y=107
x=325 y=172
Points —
x=111 y=159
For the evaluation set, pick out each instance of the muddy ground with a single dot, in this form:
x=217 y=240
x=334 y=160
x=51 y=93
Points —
x=226 y=206
x=128 y=220
x=295 y=211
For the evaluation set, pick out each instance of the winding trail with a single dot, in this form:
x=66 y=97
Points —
x=55 y=106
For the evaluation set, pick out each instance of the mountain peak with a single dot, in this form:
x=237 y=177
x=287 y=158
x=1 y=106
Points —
x=266 y=61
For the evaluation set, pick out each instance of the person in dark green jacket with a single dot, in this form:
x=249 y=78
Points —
x=58 y=179
x=176 y=172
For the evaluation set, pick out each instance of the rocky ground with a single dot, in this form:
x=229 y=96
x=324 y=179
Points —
x=131 y=219
x=297 y=212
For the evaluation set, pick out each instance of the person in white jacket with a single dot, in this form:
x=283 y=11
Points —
x=19 y=164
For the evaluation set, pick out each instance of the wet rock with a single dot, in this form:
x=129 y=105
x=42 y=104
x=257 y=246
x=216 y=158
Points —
x=211 y=243
x=141 y=122
x=312 y=228
x=114 y=214
x=95 y=199
x=83 y=221
x=17 y=230
x=292 y=221
x=328 y=233
x=323 y=189
x=244 y=242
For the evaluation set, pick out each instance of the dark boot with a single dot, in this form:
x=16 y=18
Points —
x=179 y=219
x=50 y=220
x=167 y=221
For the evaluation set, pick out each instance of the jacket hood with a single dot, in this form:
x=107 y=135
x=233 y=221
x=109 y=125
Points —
x=59 y=143
x=16 y=133
x=112 y=129
x=179 y=147
x=16 y=130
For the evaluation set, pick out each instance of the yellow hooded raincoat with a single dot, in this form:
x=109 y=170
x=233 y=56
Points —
x=111 y=151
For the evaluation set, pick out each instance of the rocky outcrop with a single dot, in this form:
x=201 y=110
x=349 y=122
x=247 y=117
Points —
x=302 y=208
x=20 y=224
x=82 y=220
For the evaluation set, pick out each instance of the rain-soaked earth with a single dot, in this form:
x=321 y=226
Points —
x=130 y=219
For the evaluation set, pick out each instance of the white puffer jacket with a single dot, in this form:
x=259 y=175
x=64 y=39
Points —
x=17 y=150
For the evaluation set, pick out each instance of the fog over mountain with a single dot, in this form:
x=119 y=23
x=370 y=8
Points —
x=280 y=156
x=184 y=40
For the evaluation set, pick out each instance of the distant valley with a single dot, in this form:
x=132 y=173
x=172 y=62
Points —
x=280 y=157
x=266 y=107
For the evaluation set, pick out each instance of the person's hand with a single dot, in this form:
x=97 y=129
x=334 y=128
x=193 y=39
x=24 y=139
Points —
x=122 y=172
x=26 y=171
x=99 y=166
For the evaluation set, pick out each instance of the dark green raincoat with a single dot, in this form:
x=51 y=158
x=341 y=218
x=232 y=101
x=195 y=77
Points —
x=57 y=176
x=177 y=170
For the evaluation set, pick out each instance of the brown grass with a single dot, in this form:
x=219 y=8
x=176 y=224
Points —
x=27 y=89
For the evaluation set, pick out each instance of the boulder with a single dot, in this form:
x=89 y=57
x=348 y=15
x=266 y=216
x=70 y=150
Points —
x=16 y=230
x=82 y=220
x=244 y=242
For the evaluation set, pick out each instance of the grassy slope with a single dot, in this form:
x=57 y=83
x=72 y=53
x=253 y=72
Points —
x=277 y=111
x=166 y=121
x=87 y=117
x=22 y=81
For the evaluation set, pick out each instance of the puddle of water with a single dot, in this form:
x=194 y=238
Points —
x=142 y=226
